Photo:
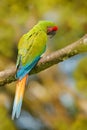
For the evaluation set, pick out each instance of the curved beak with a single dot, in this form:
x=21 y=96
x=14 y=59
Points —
x=51 y=34
x=52 y=31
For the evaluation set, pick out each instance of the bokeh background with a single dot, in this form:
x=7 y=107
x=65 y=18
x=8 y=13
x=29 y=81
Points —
x=55 y=99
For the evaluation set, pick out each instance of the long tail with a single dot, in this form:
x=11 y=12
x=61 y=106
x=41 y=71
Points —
x=20 y=87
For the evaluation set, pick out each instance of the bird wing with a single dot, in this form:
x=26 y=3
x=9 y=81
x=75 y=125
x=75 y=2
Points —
x=30 y=48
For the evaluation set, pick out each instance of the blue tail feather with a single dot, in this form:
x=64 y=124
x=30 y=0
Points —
x=16 y=109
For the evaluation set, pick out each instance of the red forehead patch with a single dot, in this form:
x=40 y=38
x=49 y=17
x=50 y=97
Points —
x=55 y=28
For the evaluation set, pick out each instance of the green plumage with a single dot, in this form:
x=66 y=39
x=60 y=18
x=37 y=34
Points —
x=31 y=46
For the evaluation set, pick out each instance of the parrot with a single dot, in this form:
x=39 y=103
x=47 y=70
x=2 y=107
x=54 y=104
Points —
x=31 y=46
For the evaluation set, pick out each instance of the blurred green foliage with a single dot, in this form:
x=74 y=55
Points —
x=80 y=75
x=80 y=124
x=5 y=121
x=16 y=18
x=6 y=39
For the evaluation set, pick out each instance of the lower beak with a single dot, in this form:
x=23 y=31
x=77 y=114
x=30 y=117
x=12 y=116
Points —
x=52 y=34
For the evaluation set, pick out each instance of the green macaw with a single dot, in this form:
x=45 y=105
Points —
x=30 y=48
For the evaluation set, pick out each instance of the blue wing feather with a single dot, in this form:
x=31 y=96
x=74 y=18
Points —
x=23 y=70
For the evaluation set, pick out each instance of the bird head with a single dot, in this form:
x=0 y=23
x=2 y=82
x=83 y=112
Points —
x=49 y=27
x=52 y=30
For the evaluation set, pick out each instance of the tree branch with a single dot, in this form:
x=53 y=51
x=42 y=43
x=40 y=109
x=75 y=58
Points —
x=8 y=76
